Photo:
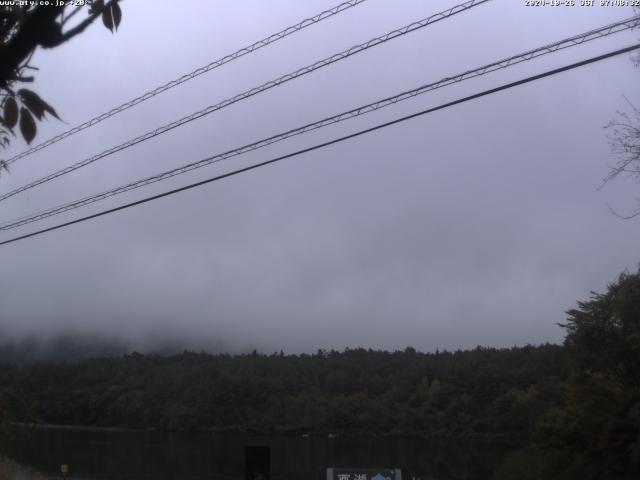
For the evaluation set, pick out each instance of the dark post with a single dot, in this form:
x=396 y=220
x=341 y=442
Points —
x=257 y=462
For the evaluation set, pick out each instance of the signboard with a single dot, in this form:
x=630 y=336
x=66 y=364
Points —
x=364 y=474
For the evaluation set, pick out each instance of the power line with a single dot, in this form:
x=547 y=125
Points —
x=254 y=91
x=334 y=141
x=189 y=76
x=362 y=110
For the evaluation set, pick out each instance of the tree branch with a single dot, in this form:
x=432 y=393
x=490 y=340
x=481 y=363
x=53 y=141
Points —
x=68 y=35
x=623 y=217
x=39 y=28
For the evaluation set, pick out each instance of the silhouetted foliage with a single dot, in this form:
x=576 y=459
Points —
x=25 y=26
x=596 y=434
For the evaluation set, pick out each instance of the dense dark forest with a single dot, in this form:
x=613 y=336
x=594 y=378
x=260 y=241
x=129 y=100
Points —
x=483 y=391
x=574 y=410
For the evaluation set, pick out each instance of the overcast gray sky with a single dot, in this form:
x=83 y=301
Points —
x=479 y=224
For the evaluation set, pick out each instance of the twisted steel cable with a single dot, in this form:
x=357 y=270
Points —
x=189 y=76
x=254 y=91
x=575 y=40
x=332 y=142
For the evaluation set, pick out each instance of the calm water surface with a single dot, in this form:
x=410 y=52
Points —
x=100 y=454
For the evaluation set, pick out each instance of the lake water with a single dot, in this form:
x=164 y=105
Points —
x=100 y=454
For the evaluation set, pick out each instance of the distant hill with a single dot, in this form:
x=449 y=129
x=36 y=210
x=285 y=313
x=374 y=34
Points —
x=32 y=348
x=71 y=347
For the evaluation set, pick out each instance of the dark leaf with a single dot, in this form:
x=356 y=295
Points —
x=27 y=125
x=32 y=101
x=10 y=112
x=107 y=19
x=49 y=109
x=36 y=104
x=117 y=14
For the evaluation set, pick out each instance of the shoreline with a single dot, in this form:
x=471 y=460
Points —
x=439 y=436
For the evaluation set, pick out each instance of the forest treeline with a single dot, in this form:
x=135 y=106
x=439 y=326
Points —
x=482 y=391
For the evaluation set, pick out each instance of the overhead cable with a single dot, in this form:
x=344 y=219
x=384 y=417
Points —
x=362 y=110
x=189 y=76
x=254 y=91
x=331 y=142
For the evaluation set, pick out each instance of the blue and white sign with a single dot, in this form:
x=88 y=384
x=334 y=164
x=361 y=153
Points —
x=364 y=474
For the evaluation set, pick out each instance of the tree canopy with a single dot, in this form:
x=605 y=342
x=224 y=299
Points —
x=603 y=333
x=595 y=433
